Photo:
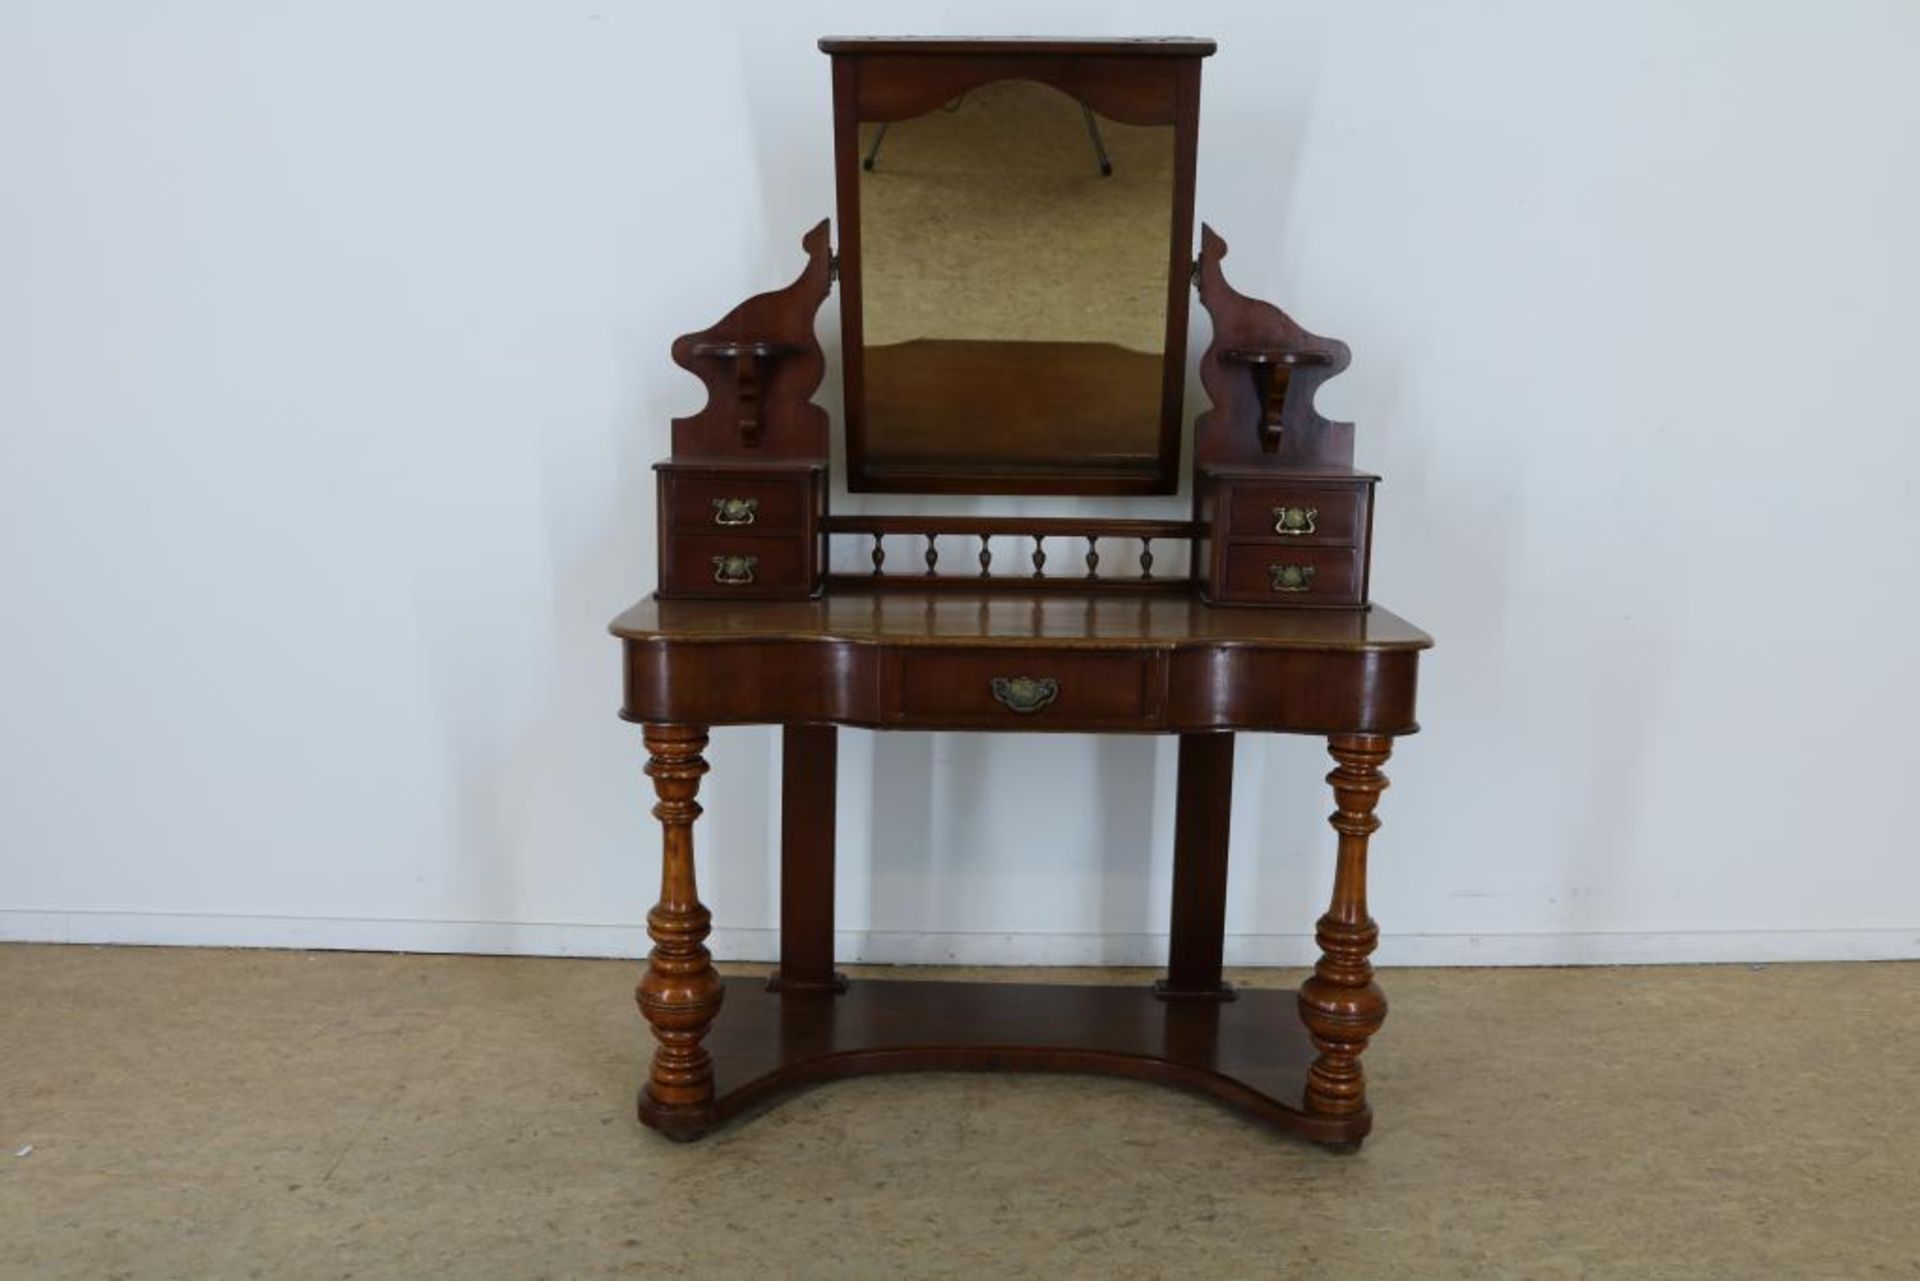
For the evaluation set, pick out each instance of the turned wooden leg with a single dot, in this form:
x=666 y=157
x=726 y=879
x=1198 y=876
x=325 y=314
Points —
x=1341 y=1004
x=680 y=992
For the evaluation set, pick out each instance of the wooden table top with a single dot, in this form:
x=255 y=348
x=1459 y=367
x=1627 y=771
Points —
x=1131 y=621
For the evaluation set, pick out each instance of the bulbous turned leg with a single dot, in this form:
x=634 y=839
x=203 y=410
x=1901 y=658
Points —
x=680 y=992
x=1341 y=1004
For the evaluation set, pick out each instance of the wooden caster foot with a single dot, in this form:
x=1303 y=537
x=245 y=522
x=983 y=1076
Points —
x=682 y=1125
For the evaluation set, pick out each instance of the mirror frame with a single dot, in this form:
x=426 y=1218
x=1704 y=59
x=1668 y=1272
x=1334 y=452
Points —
x=1138 y=82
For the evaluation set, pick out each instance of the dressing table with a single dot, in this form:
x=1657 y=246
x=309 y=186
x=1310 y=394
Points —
x=1014 y=264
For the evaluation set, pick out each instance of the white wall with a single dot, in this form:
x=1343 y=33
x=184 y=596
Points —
x=333 y=356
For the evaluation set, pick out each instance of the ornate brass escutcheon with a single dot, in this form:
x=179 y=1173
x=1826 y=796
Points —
x=734 y=571
x=1025 y=694
x=1294 y=521
x=735 y=511
x=1291 y=578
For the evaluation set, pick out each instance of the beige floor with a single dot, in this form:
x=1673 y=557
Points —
x=282 y=1114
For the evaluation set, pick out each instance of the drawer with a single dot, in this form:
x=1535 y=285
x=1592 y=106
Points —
x=1299 y=514
x=740 y=502
x=1274 y=574
x=1029 y=689
x=734 y=564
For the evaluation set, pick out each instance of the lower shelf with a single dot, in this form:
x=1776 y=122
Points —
x=1251 y=1053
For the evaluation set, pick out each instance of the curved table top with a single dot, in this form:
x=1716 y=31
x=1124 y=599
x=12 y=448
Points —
x=952 y=659
x=947 y=618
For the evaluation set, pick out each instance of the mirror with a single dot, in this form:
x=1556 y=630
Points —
x=1011 y=309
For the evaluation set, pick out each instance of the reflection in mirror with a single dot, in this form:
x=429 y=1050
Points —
x=1014 y=258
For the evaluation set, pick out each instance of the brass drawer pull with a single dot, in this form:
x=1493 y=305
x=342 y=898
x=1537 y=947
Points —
x=1025 y=694
x=734 y=571
x=1291 y=578
x=1295 y=522
x=735 y=511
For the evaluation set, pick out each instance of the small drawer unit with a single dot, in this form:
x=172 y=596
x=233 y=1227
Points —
x=1286 y=539
x=738 y=530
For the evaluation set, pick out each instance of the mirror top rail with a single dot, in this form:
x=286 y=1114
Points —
x=1135 y=46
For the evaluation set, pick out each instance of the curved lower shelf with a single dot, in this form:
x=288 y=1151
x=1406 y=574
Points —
x=1250 y=1053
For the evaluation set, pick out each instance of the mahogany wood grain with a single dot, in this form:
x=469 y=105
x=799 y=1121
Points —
x=1050 y=526
x=680 y=992
x=995 y=618
x=772 y=682
x=1337 y=520
x=1015 y=584
x=1303 y=671
x=1186 y=158
x=781 y=499
x=1132 y=88
x=781 y=322
x=776 y=564
x=1132 y=46
x=1331 y=575
x=846 y=194
x=1116 y=690
x=809 y=764
x=1230 y=430
x=1202 y=816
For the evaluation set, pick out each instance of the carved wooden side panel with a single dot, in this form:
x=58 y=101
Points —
x=1261 y=372
x=761 y=365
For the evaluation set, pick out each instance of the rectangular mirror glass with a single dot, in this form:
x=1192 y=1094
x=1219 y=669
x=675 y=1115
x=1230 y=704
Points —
x=1014 y=283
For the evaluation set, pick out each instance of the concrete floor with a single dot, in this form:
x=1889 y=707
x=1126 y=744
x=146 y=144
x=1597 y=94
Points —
x=212 y=1114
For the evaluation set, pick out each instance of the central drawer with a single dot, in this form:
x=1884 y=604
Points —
x=1027 y=688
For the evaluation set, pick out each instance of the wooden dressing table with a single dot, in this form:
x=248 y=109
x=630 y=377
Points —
x=967 y=172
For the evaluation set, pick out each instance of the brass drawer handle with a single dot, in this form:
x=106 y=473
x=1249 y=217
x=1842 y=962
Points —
x=1295 y=522
x=1025 y=694
x=735 y=511
x=734 y=571
x=1291 y=578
